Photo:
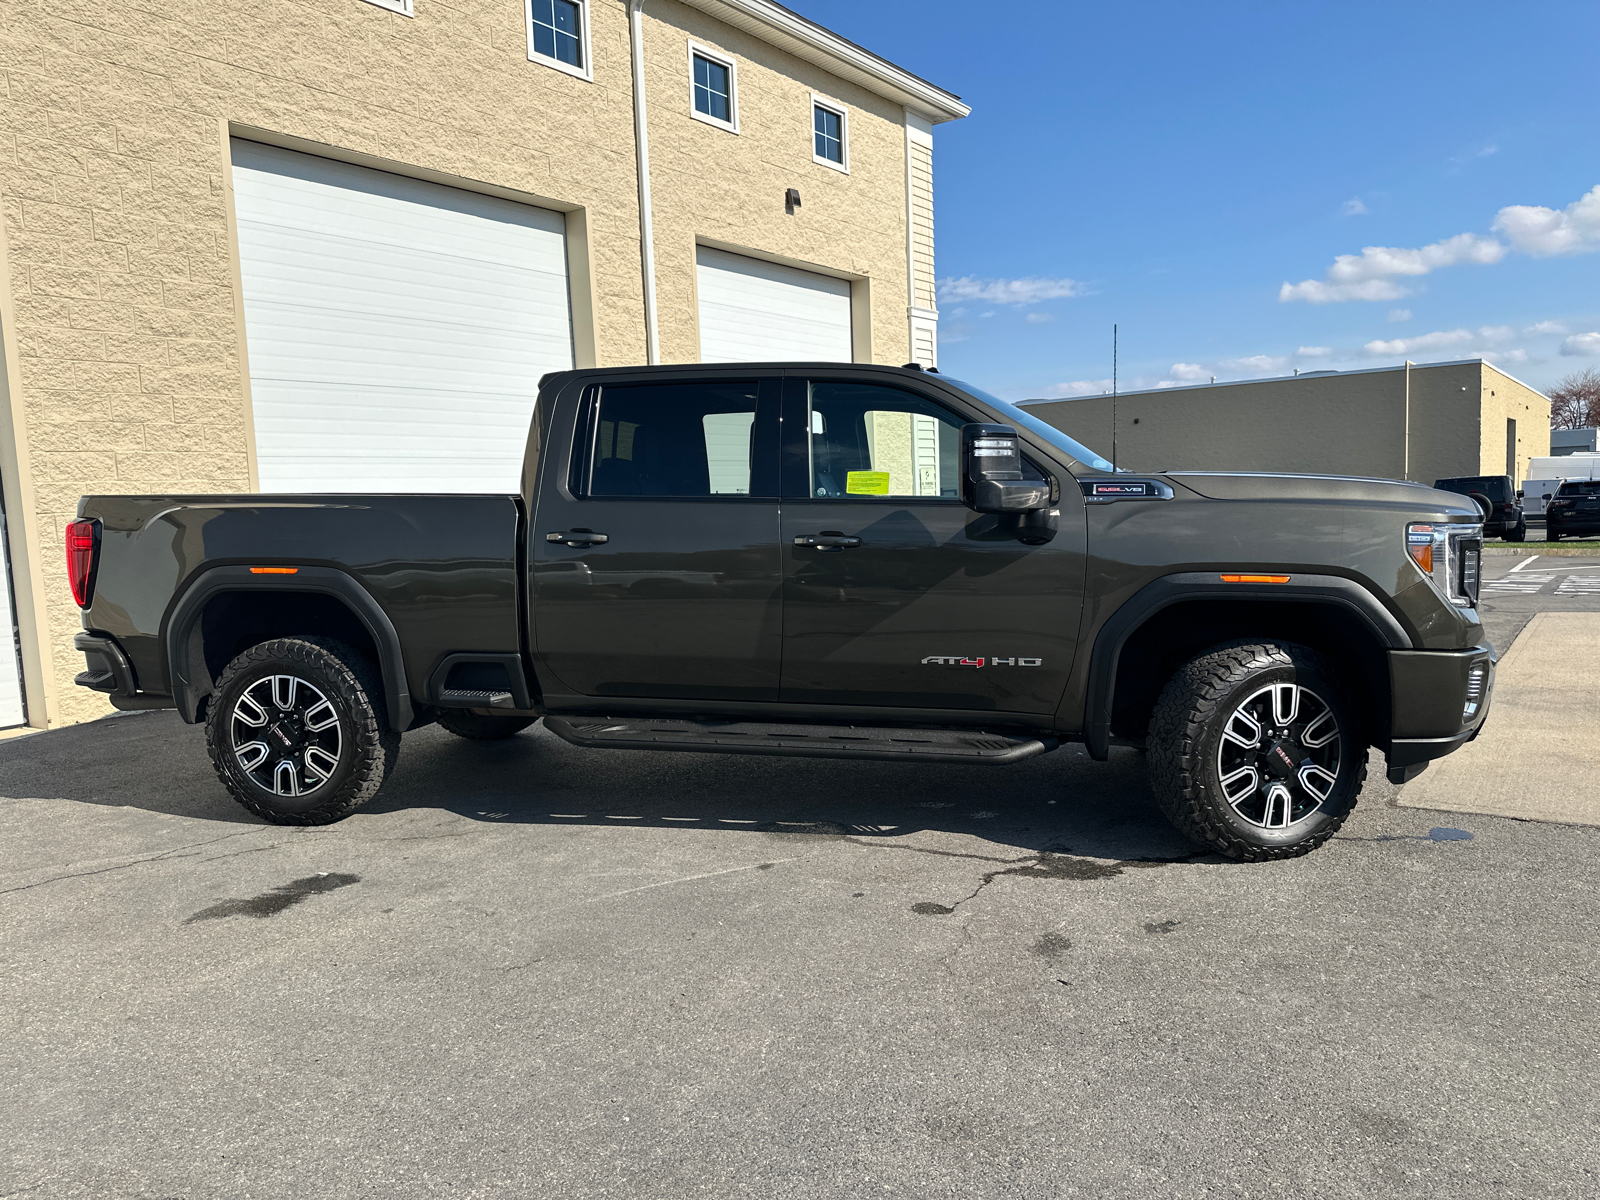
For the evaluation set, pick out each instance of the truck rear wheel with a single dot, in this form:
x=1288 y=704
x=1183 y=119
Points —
x=481 y=727
x=1254 y=751
x=298 y=731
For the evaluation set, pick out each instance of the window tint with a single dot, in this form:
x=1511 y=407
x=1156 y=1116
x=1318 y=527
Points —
x=829 y=134
x=712 y=95
x=694 y=439
x=879 y=441
x=558 y=30
x=1591 y=488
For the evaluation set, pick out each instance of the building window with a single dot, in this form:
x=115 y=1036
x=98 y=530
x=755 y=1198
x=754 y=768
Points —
x=713 y=88
x=558 y=35
x=830 y=134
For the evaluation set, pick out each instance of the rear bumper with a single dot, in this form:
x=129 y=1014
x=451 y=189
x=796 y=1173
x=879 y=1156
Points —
x=110 y=673
x=1439 y=699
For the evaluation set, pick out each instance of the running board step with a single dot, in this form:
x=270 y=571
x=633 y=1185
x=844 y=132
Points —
x=802 y=741
x=475 y=698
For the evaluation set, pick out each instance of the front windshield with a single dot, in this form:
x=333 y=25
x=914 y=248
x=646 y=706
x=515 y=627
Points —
x=1033 y=424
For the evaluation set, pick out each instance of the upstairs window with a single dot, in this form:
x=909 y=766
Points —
x=558 y=35
x=830 y=126
x=713 y=88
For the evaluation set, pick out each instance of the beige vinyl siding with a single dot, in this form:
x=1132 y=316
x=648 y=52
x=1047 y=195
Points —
x=922 y=224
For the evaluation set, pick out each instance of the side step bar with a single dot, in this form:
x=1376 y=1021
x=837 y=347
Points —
x=802 y=741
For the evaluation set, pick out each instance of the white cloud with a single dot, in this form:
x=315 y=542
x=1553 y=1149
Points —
x=1582 y=345
x=1078 y=387
x=1258 y=363
x=1506 y=356
x=1370 y=274
x=1426 y=341
x=1189 y=372
x=1486 y=335
x=1008 y=291
x=1039 y=318
x=1353 y=208
x=1543 y=232
x=1546 y=327
x=1482 y=152
x=1396 y=315
x=1313 y=351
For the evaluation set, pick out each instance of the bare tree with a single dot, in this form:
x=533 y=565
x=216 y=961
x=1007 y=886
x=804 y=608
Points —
x=1575 y=401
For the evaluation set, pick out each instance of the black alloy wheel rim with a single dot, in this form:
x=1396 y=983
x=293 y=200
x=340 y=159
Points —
x=285 y=735
x=1279 y=755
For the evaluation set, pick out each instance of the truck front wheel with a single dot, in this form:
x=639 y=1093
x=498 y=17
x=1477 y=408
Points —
x=298 y=731
x=1254 y=751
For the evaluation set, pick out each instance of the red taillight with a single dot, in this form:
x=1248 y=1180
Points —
x=83 y=538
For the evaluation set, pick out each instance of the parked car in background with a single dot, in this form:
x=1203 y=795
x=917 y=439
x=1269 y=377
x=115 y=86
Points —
x=1501 y=503
x=1575 y=511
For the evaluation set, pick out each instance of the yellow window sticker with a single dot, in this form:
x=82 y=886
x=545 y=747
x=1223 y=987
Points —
x=867 y=483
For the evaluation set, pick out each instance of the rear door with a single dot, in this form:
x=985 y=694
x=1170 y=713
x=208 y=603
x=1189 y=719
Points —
x=898 y=595
x=654 y=551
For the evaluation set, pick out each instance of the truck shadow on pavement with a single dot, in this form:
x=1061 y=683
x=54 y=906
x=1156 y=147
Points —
x=1058 y=803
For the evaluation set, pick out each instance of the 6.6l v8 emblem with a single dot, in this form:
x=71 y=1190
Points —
x=937 y=660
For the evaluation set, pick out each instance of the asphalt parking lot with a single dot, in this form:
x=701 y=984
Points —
x=530 y=970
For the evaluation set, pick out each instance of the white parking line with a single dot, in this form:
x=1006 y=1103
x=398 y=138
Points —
x=1532 y=558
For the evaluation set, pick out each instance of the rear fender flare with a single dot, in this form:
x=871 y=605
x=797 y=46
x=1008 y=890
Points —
x=1205 y=585
x=186 y=664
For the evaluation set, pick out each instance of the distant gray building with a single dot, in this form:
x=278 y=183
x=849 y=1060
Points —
x=1573 y=441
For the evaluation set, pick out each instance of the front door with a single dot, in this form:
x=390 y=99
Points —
x=897 y=594
x=655 y=566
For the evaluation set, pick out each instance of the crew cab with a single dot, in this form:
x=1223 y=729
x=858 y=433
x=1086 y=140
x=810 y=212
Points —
x=836 y=560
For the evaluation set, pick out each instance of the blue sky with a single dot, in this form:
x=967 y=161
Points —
x=1171 y=167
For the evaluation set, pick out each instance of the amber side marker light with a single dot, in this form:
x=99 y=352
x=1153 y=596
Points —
x=273 y=570
x=1255 y=579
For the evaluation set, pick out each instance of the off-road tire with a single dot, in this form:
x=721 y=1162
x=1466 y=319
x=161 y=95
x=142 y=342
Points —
x=1187 y=728
x=352 y=687
x=481 y=727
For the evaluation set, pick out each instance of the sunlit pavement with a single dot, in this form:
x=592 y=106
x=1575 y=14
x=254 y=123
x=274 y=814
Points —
x=533 y=970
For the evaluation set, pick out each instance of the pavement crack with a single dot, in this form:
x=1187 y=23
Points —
x=175 y=852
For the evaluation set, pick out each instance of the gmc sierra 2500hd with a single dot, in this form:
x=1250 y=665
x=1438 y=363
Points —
x=809 y=559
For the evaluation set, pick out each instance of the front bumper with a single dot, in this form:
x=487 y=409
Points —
x=1439 y=700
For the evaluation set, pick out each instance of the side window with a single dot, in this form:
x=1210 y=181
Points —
x=867 y=440
x=691 y=440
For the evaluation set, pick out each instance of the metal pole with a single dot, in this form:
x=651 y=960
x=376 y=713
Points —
x=1405 y=434
x=1113 y=396
x=641 y=139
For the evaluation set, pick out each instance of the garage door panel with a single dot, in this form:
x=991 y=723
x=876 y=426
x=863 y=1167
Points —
x=397 y=329
x=756 y=311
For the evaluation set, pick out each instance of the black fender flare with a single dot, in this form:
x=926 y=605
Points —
x=186 y=667
x=1205 y=585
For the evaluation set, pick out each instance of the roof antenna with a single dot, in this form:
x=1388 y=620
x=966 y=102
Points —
x=1113 y=397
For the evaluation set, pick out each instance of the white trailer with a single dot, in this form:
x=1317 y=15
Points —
x=1546 y=475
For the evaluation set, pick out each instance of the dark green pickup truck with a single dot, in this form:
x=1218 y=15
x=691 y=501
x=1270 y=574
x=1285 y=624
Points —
x=809 y=559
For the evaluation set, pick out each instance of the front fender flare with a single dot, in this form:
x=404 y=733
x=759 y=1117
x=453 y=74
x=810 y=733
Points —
x=1174 y=589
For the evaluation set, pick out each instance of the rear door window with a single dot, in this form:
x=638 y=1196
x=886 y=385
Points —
x=1590 y=488
x=701 y=441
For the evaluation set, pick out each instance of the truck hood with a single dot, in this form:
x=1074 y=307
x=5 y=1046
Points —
x=1261 y=485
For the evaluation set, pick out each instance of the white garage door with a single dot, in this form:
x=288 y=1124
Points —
x=396 y=329
x=754 y=311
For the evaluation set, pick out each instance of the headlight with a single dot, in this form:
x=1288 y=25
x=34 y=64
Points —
x=1449 y=555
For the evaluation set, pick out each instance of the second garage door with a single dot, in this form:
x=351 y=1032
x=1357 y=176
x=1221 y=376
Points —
x=756 y=311
x=396 y=329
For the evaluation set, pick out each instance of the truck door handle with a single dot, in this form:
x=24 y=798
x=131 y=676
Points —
x=577 y=537
x=828 y=541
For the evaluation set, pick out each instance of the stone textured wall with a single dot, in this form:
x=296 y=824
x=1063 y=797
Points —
x=728 y=188
x=114 y=192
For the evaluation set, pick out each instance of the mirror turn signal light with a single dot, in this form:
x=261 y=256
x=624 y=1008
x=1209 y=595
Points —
x=274 y=570
x=1255 y=579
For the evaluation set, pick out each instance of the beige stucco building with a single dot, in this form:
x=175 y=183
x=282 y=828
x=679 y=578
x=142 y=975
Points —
x=1420 y=423
x=332 y=244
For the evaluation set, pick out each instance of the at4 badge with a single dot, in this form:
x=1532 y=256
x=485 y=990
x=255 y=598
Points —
x=946 y=660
